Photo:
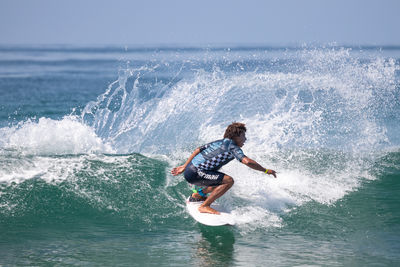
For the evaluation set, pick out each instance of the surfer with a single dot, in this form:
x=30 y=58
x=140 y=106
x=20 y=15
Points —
x=201 y=168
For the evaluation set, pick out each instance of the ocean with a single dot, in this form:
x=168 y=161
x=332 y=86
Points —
x=88 y=136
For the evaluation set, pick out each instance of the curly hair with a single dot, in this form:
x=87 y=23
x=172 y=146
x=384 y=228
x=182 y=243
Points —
x=235 y=129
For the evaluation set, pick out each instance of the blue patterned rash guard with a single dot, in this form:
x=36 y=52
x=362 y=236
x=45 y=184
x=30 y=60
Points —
x=216 y=154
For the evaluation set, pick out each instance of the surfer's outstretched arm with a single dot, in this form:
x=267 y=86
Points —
x=181 y=169
x=254 y=165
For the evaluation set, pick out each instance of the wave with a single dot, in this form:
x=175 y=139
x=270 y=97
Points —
x=320 y=117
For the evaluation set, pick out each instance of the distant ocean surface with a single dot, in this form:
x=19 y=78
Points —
x=88 y=136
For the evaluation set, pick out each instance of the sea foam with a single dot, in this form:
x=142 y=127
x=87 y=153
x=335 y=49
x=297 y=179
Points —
x=53 y=137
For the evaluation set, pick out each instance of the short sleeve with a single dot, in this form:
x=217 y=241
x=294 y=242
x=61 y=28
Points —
x=204 y=147
x=237 y=152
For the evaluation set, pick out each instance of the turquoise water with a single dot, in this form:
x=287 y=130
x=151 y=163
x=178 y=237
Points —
x=88 y=137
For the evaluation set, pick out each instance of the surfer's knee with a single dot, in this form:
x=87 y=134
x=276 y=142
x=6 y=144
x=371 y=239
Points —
x=228 y=180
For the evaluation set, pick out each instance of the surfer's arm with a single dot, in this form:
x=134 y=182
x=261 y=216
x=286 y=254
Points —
x=255 y=166
x=180 y=169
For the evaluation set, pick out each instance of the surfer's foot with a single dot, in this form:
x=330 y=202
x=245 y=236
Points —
x=197 y=197
x=192 y=199
x=208 y=209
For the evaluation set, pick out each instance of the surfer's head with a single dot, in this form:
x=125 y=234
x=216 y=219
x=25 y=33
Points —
x=236 y=131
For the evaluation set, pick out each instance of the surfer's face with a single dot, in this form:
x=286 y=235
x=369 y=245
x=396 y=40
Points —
x=240 y=140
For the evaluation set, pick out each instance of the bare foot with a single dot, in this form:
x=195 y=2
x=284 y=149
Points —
x=208 y=209
x=197 y=196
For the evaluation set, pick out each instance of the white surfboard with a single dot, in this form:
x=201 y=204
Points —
x=225 y=218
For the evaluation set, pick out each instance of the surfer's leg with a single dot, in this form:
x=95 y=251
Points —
x=217 y=192
x=208 y=189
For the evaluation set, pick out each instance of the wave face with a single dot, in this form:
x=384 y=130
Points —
x=74 y=188
x=85 y=167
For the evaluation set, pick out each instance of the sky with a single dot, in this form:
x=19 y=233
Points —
x=200 y=22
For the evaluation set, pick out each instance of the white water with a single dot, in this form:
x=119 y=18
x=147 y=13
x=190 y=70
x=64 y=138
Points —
x=53 y=137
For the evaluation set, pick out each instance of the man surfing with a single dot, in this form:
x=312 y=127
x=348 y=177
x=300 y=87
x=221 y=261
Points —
x=201 y=168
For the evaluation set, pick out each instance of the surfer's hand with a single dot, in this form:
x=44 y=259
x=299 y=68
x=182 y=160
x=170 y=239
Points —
x=178 y=170
x=272 y=172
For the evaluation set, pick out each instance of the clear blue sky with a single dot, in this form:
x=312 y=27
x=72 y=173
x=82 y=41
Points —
x=200 y=22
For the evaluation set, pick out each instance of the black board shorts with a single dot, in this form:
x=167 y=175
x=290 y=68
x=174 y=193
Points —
x=202 y=177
